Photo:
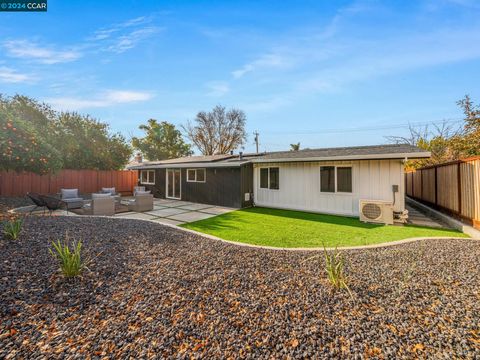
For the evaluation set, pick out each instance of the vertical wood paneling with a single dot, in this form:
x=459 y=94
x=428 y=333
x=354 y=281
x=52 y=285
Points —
x=300 y=186
x=87 y=181
x=455 y=190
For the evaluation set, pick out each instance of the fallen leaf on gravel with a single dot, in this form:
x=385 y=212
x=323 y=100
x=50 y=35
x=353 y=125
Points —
x=418 y=347
x=294 y=343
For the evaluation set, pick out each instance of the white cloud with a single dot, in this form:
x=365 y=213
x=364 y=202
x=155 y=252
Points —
x=9 y=75
x=43 y=54
x=105 y=99
x=130 y=40
x=267 y=61
x=217 y=88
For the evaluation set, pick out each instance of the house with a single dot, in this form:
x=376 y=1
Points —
x=329 y=180
x=225 y=180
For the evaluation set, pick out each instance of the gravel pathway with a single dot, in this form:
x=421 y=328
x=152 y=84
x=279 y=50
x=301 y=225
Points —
x=155 y=291
x=10 y=202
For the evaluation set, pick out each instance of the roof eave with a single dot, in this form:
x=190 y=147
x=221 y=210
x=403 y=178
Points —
x=188 y=165
x=401 y=156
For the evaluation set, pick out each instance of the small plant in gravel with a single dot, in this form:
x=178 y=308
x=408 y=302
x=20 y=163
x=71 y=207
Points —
x=335 y=265
x=12 y=228
x=69 y=256
x=335 y=269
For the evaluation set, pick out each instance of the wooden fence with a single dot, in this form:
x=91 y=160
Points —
x=87 y=181
x=452 y=187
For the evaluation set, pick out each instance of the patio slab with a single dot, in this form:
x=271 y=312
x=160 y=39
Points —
x=191 y=216
x=195 y=207
x=167 y=212
x=142 y=216
x=177 y=203
x=217 y=210
x=167 y=221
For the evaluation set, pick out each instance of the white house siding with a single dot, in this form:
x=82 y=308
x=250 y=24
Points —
x=300 y=186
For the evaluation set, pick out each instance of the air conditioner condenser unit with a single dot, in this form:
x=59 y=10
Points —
x=376 y=211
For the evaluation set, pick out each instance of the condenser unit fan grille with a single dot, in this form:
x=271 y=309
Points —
x=371 y=211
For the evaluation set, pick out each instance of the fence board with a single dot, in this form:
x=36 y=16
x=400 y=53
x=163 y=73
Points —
x=453 y=187
x=87 y=181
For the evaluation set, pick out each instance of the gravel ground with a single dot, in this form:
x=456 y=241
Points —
x=7 y=202
x=155 y=291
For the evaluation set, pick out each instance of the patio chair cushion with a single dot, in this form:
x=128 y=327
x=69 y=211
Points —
x=142 y=193
x=101 y=195
x=69 y=193
x=110 y=191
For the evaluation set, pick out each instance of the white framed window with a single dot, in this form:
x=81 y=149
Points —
x=336 y=179
x=196 y=175
x=147 y=177
x=270 y=178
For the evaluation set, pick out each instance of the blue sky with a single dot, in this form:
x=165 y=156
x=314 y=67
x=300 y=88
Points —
x=323 y=73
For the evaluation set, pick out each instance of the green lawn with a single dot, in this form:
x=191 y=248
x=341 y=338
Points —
x=284 y=228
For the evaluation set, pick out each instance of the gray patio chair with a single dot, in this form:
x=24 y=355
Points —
x=113 y=192
x=71 y=198
x=101 y=204
x=137 y=189
x=142 y=202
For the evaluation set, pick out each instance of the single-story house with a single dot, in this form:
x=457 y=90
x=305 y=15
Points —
x=329 y=180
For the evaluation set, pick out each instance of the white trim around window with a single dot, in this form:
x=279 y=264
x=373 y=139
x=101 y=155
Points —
x=335 y=179
x=273 y=182
x=197 y=177
x=147 y=177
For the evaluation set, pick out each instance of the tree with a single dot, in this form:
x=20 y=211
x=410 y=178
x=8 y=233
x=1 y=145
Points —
x=445 y=142
x=26 y=136
x=217 y=131
x=162 y=141
x=295 y=147
x=467 y=143
x=86 y=143
x=36 y=138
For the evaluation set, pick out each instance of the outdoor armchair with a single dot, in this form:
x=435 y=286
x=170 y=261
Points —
x=112 y=192
x=71 y=198
x=142 y=202
x=102 y=204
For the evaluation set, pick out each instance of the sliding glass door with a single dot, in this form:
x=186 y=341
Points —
x=174 y=184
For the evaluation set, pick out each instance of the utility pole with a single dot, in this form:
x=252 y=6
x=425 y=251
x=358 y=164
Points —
x=256 y=139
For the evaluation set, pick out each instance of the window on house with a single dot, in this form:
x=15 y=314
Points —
x=274 y=181
x=327 y=178
x=344 y=179
x=264 y=178
x=196 y=175
x=336 y=179
x=147 y=177
x=270 y=178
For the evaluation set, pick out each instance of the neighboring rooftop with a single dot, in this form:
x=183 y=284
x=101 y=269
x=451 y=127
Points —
x=395 y=151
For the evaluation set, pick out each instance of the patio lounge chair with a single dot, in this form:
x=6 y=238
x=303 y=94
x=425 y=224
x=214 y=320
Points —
x=71 y=198
x=37 y=200
x=102 y=204
x=142 y=202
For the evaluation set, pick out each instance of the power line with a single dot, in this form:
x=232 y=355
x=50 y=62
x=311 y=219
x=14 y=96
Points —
x=367 y=128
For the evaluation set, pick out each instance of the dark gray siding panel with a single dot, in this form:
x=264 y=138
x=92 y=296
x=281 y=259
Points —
x=247 y=184
x=222 y=187
x=158 y=190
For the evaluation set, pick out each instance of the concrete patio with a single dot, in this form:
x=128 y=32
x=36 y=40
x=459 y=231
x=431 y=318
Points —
x=176 y=212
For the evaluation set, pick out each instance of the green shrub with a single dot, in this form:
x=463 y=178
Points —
x=12 y=228
x=69 y=257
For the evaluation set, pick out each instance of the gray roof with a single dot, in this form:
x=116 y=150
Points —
x=399 y=151
x=395 y=151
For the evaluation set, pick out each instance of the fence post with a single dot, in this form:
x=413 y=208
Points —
x=459 y=186
x=421 y=184
x=436 y=186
